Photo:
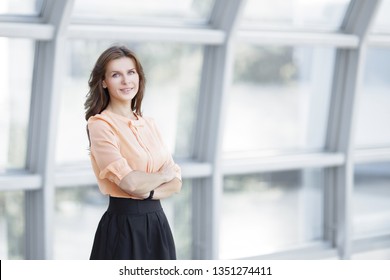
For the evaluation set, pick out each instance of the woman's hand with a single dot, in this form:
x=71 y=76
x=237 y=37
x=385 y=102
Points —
x=170 y=187
x=139 y=183
x=168 y=173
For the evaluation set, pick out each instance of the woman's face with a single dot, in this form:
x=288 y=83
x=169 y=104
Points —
x=121 y=79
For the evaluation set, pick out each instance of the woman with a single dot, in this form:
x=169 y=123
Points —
x=130 y=161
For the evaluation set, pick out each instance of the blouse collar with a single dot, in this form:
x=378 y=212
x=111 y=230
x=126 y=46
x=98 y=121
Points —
x=138 y=122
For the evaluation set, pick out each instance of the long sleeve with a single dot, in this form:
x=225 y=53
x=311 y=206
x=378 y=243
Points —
x=106 y=152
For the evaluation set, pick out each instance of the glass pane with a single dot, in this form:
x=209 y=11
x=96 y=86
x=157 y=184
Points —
x=266 y=213
x=381 y=23
x=12 y=225
x=173 y=78
x=373 y=112
x=20 y=7
x=178 y=210
x=131 y=10
x=279 y=99
x=296 y=14
x=371 y=200
x=16 y=68
x=82 y=207
x=77 y=208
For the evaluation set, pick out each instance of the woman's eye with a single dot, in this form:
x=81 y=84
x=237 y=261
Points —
x=115 y=75
x=131 y=72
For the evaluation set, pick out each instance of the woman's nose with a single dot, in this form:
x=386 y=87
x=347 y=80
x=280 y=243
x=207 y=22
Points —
x=125 y=80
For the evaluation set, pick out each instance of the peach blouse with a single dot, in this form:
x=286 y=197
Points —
x=120 y=145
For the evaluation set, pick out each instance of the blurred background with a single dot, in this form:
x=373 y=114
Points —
x=277 y=111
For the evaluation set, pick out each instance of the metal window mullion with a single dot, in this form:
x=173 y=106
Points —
x=346 y=88
x=295 y=38
x=339 y=140
x=204 y=191
x=379 y=40
x=147 y=34
x=45 y=102
x=43 y=117
x=281 y=163
x=19 y=181
x=216 y=76
x=37 y=31
x=374 y=155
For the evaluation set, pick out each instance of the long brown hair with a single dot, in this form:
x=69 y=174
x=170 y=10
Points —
x=98 y=97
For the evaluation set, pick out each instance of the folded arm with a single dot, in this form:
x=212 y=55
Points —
x=164 y=183
x=140 y=183
x=114 y=167
x=167 y=189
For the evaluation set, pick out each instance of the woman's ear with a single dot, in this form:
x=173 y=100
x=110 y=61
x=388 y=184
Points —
x=104 y=84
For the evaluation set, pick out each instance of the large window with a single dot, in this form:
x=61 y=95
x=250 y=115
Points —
x=371 y=200
x=78 y=211
x=178 y=209
x=191 y=11
x=279 y=100
x=382 y=21
x=296 y=14
x=373 y=112
x=21 y=7
x=12 y=225
x=16 y=68
x=172 y=88
x=270 y=212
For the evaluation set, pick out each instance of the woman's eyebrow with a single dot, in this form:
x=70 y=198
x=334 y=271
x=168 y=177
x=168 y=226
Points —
x=113 y=71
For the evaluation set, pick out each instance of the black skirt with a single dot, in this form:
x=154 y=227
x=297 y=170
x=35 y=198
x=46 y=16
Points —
x=133 y=230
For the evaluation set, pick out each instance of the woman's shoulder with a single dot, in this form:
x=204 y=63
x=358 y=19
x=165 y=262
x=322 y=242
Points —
x=99 y=118
x=101 y=121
